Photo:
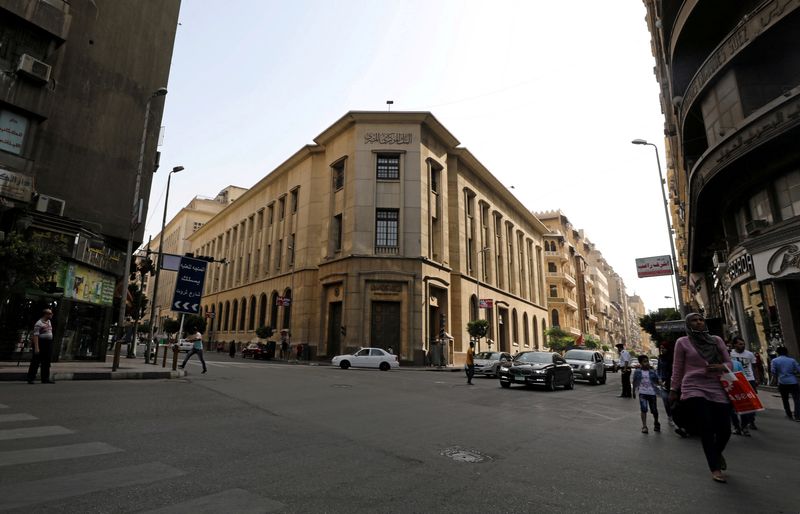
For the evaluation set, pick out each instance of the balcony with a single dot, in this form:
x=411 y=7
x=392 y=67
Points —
x=559 y=276
x=387 y=250
x=569 y=302
x=555 y=255
x=572 y=330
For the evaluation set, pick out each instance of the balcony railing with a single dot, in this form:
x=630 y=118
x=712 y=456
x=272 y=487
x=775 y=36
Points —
x=570 y=302
x=387 y=250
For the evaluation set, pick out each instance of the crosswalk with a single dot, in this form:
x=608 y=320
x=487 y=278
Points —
x=39 y=493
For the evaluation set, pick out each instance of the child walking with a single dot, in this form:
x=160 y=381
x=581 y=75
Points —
x=647 y=383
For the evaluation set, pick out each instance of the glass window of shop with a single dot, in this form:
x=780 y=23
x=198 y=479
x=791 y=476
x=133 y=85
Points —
x=760 y=321
x=787 y=193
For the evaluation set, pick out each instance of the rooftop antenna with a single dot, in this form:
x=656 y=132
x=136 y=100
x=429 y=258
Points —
x=389 y=104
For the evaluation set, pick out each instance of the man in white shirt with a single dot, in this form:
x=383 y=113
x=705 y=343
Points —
x=625 y=368
x=197 y=348
x=748 y=360
x=42 y=348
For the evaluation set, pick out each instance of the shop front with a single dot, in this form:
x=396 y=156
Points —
x=778 y=267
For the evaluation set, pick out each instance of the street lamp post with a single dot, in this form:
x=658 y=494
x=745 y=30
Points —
x=679 y=297
x=133 y=225
x=478 y=289
x=159 y=258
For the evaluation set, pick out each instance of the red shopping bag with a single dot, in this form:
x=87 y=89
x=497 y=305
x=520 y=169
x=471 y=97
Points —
x=740 y=392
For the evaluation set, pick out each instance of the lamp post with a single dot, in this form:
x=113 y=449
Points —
x=478 y=289
x=133 y=225
x=679 y=297
x=159 y=257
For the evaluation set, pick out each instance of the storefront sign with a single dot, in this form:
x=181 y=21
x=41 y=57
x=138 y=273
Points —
x=740 y=265
x=86 y=285
x=15 y=185
x=654 y=266
x=95 y=252
x=12 y=131
x=778 y=262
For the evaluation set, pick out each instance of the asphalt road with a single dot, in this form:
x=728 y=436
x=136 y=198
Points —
x=266 y=437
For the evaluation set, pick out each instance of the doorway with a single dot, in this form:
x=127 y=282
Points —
x=385 y=326
x=334 y=328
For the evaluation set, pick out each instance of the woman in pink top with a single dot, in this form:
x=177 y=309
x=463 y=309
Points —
x=699 y=360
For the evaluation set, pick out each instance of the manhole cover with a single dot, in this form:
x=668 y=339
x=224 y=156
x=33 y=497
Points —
x=464 y=455
x=342 y=386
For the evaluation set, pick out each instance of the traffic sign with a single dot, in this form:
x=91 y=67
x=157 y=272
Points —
x=189 y=286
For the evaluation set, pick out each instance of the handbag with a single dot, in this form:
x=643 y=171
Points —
x=741 y=394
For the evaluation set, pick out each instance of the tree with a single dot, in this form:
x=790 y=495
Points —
x=193 y=321
x=478 y=328
x=170 y=326
x=606 y=348
x=263 y=332
x=25 y=263
x=558 y=340
x=592 y=342
x=649 y=320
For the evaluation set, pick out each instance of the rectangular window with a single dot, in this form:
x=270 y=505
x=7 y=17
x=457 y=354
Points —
x=290 y=248
x=281 y=207
x=553 y=291
x=337 y=233
x=388 y=167
x=435 y=178
x=759 y=207
x=267 y=258
x=13 y=127
x=387 y=228
x=260 y=222
x=271 y=214
x=278 y=252
x=338 y=175
x=293 y=203
x=787 y=191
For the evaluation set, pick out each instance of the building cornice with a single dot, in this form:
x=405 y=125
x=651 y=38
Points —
x=417 y=117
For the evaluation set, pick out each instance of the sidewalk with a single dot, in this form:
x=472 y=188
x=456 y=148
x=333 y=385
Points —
x=129 y=369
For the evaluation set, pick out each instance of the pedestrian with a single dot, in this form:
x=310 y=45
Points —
x=42 y=348
x=699 y=361
x=736 y=420
x=786 y=370
x=232 y=349
x=197 y=348
x=759 y=370
x=665 y=351
x=625 y=367
x=284 y=344
x=469 y=367
x=748 y=361
x=647 y=383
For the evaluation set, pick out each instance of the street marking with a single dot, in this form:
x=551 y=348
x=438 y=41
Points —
x=71 y=451
x=31 y=492
x=16 y=417
x=232 y=500
x=25 y=433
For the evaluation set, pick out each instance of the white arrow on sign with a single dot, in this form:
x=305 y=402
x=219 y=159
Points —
x=194 y=307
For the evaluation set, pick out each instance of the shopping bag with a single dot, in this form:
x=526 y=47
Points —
x=740 y=392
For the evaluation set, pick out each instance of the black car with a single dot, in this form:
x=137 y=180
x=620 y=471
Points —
x=537 y=368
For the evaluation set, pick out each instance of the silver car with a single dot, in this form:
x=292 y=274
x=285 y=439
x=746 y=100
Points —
x=587 y=365
x=487 y=363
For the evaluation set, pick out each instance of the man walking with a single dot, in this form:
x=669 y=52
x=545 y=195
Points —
x=42 y=348
x=787 y=370
x=197 y=348
x=470 y=365
x=625 y=366
x=748 y=360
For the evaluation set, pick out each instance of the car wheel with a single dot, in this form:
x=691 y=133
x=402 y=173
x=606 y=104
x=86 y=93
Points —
x=603 y=378
x=505 y=385
x=551 y=385
x=571 y=383
x=593 y=379
x=344 y=364
x=384 y=366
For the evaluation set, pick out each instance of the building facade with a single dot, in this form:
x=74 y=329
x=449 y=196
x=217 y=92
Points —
x=384 y=232
x=730 y=93
x=75 y=82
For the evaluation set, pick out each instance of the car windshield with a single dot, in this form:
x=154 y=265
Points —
x=488 y=355
x=579 y=355
x=534 y=357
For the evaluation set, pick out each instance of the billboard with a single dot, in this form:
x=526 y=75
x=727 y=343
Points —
x=654 y=266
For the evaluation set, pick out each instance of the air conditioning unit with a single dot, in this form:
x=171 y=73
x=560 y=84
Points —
x=752 y=227
x=33 y=69
x=50 y=205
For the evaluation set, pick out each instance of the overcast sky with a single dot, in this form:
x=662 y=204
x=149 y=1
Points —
x=547 y=95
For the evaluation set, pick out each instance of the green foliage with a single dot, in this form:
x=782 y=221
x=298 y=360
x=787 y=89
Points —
x=144 y=327
x=264 y=332
x=171 y=326
x=606 y=348
x=592 y=342
x=558 y=340
x=194 y=322
x=649 y=320
x=478 y=328
x=25 y=263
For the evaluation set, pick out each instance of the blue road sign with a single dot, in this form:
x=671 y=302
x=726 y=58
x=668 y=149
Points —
x=189 y=286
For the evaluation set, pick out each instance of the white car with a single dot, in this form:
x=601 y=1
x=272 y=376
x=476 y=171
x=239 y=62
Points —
x=487 y=363
x=184 y=345
x=367 y=358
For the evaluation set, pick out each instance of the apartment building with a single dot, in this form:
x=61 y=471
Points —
x=383 y=232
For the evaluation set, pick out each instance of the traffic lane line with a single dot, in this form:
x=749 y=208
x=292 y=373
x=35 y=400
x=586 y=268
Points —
x=51 y=453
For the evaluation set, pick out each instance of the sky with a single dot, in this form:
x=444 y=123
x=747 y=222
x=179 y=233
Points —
x=547 y=95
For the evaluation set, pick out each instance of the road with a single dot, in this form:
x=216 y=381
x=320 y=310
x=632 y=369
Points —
x=267 y=437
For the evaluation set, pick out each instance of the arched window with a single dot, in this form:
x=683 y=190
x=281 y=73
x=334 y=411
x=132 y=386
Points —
x=535 y=333
x=243 y=313
x=554 y=318
x=526 y=330
x=252 y=320
x=273 y=310
x=473 y=308
x=234 y=314
x=262 y=314
x=544 y=332
x=287 y=311
x=514 y=327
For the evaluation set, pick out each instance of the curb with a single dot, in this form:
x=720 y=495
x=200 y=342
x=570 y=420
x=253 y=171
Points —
x=99 y=375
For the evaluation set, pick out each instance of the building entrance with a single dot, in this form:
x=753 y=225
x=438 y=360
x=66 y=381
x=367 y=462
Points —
x=335 y=328
x=385 y=326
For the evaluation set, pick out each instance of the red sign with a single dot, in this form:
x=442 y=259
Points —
x=654 y=266
x=210 y=315
x=283 y=301
x=485 y=304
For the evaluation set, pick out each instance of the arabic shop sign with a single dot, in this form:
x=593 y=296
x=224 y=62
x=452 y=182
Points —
x=15 y=185
x=654 y=266
x=740 y=265
x=778 y=262
x=189 y=286
x=12 y=131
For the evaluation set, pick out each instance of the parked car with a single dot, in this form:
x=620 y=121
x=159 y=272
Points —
x=488 y=363
x=537 y=368
x=610 y=365
x=587 y=365
x=256 y=351
x=184 y=345
x=367 y=358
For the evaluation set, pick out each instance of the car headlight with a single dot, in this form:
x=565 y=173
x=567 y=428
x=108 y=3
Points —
x=539 y=371
x=587 y=366
x=503 y=368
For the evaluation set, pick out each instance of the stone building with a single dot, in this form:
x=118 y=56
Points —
x=76 y=78
x=384 y=232
x=730 y=93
